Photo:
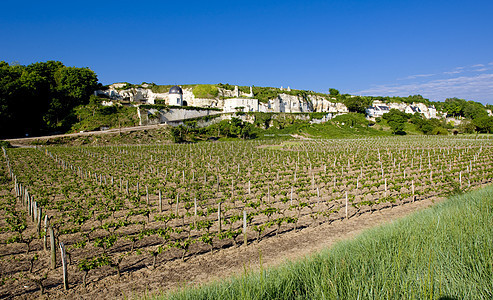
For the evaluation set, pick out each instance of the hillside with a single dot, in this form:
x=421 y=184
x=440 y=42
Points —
x=51 y=98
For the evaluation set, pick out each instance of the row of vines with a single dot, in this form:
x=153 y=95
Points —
x=114 y=209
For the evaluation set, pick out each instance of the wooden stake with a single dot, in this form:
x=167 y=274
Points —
x=219 y=216
x=52 y=247
x=195 y=207
x=147 y=195
x=385 y=186
x=346 y=204
x=177 y=200
x=64 y=266
x=39 y=217
x=291 y=196
x=245 y=237
x=45 y=238
x=412 y=189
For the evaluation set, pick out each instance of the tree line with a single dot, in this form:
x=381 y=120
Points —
x=39 y=98
x=473 y=115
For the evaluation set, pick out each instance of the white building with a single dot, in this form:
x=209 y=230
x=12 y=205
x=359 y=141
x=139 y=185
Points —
x=175 y=96
x=377 y=110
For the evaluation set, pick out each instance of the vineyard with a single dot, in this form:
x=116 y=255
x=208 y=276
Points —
x=70 y=216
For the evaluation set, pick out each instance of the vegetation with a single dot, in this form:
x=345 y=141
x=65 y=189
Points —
x=356 y=104
x=264 y=94
x=48 y=97
x=224 y=129
x=333 y=92
x=205 y=91
x=95 y=116
x=196 y=108
x=39 y=98
x=282 y=126
x=151 y=204
x=455 y=107
x=439 y=253
x=396 y=119
x=430 y=126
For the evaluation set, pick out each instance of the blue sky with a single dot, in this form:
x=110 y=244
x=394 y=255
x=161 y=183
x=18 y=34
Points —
x=438 y=48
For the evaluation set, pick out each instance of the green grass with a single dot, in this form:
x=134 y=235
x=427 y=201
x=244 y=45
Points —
x=443 y=252
x=333 y=130
x=91 y=117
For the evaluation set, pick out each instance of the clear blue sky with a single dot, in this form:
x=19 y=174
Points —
x=435 y=48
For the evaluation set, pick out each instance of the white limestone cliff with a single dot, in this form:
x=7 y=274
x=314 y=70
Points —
x=229 y=100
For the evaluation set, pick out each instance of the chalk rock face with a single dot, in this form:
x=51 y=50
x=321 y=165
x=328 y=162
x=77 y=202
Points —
x=132 y=94
x=322 y=104
x=229 y=100
x=318 y=103
x=188 y=96
x=290 y=104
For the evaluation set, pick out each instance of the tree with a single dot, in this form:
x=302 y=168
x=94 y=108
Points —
x=41 y=97
x=466 y=126
x=484 y=124
x=474 y=110
x=422 y=125
x=356 y=104
x=396 y=119
x=76 y=84
x=333 y=92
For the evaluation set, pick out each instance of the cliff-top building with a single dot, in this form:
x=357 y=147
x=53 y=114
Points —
x=175 y=96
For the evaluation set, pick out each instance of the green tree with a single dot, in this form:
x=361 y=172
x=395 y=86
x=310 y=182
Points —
x=474 y=110
x=421 y=124
x=356 y=104
x=396 y=119
x=333 y=92
x=40 y=97
x=466 y=126
x=484 y=124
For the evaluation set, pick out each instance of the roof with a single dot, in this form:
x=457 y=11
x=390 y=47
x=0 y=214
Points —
x=176 y=90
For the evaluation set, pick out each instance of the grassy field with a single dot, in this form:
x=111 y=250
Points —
x=443 y=252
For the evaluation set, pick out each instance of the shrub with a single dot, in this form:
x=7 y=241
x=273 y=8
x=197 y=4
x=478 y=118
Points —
x=439 y=131
x=5 y=144
x=352 y=119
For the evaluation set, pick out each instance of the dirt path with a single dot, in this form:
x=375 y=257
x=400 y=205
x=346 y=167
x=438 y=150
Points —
x=27 y=140
x=232 y=261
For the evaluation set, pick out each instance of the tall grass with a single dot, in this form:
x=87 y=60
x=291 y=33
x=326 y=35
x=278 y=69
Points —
x=443 y=252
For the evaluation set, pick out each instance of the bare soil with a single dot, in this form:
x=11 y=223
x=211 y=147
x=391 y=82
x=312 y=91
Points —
x=207 y=267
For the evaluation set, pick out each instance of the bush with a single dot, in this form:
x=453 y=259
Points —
x=352 y=119
x=439 y=131
x=226 y=86
x=467 y=126
x=396 y=119
x=356 y=104
x=5 y=144
x=484 y=124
